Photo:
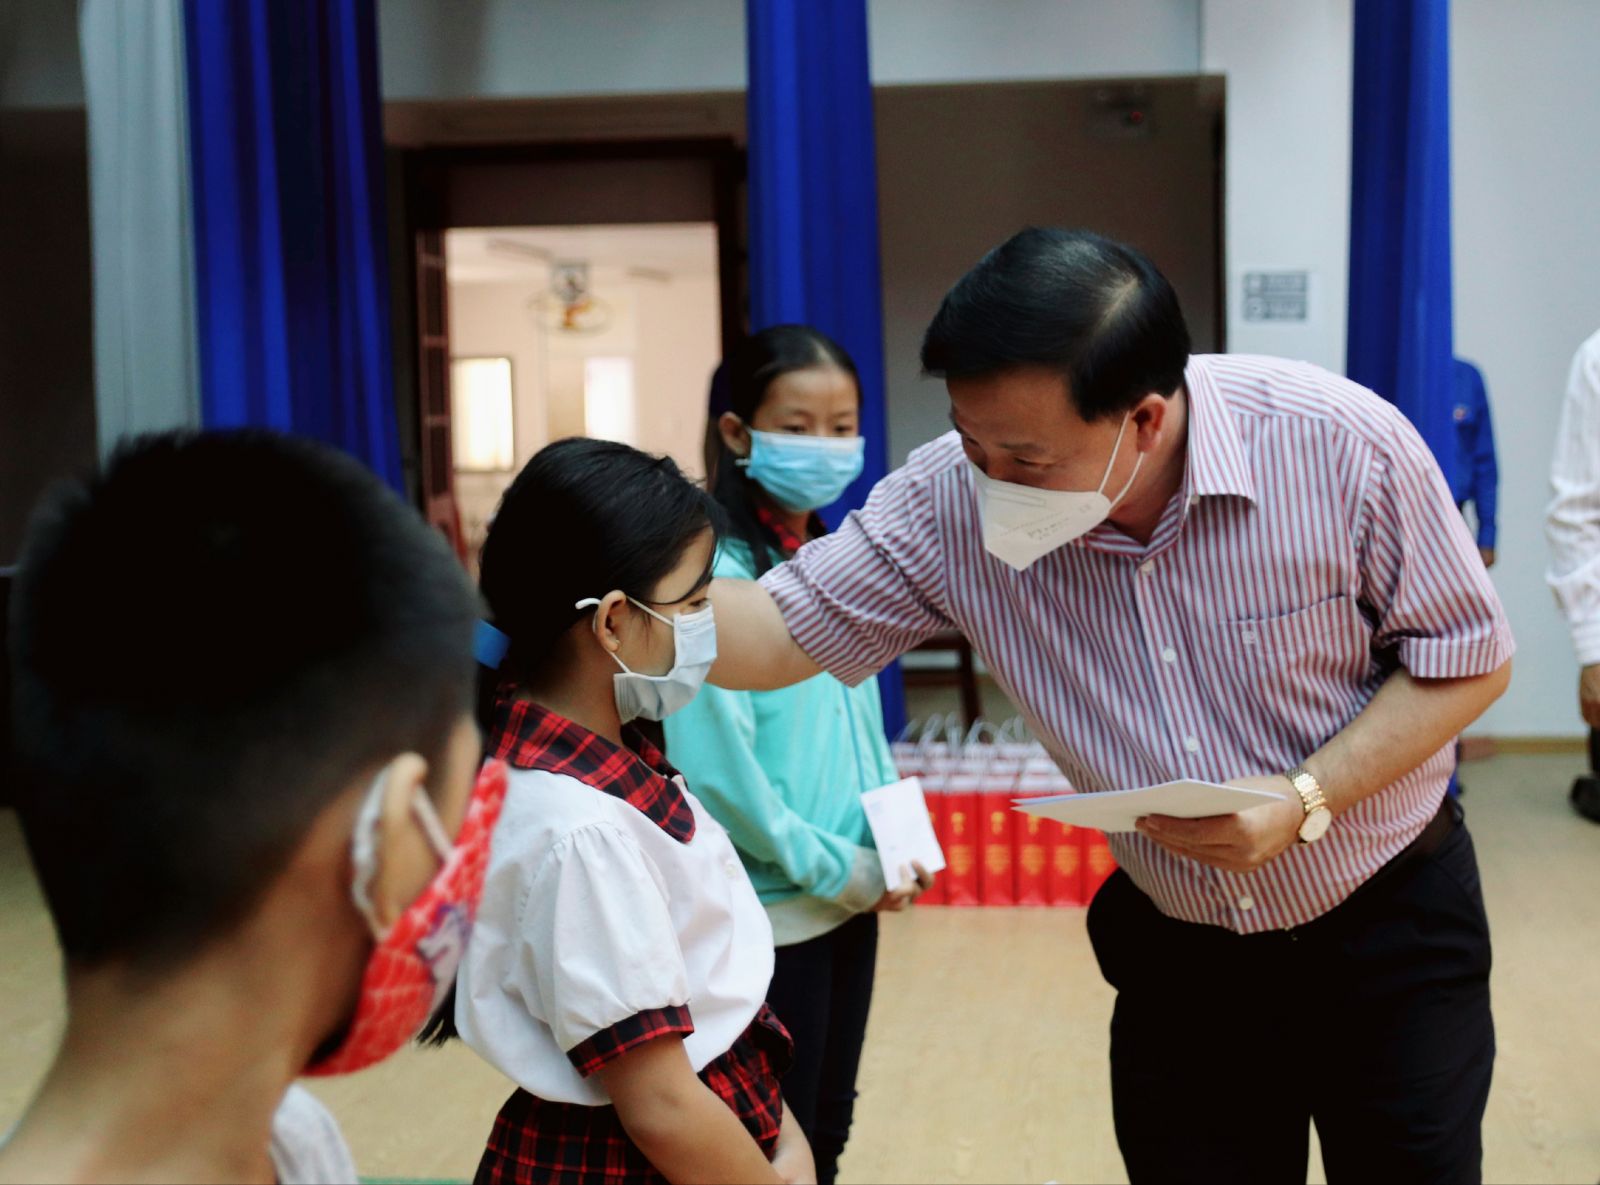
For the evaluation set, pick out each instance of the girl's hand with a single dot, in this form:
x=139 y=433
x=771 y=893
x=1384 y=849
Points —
x=912 y=887
x=792 y=1158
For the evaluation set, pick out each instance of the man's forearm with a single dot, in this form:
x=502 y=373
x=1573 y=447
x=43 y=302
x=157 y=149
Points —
x=1408 y=721
x=755 y=651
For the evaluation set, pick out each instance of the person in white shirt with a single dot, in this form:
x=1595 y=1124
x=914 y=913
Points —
x=618 y=974
x=1572 y=526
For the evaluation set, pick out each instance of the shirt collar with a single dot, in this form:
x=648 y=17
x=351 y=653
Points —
x=779 y=530
x=1217 y=463
x=529 y=736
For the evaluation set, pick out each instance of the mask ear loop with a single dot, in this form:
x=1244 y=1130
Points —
x=428 y=819
x=594 y=603
x=364 y=845
x=1138 y=460
x=364 y=854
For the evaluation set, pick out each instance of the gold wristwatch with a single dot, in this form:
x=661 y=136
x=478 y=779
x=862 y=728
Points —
x=1318 y=816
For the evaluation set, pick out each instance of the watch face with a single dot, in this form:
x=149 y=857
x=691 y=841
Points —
x=1316 y=824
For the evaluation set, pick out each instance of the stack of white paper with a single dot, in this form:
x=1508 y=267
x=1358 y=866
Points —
x=1117 y=810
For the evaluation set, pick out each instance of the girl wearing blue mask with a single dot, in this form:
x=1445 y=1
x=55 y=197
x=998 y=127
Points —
x=784 y=770
x=619 y=971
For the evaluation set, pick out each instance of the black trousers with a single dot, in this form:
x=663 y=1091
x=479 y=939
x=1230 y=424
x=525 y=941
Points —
x=1372 y=1022
x=822 y=991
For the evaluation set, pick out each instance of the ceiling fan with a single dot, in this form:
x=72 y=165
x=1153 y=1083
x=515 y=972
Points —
x=571 y=305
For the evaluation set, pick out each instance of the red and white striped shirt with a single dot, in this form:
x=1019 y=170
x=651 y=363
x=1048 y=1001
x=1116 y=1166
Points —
x=1312 y=549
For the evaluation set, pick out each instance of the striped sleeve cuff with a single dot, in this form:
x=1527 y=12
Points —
x=1452 y=658
x=606 y=1046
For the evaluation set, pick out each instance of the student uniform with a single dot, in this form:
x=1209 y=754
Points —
x=615 y=911
x=307 y=1147
x=784 y=772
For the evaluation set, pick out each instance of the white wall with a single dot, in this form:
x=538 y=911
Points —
x=921 y=41
x=457 y=49
x=680 y=343
x=1525 y=96
x=1288 y=160
x=433 y=49
x=490 y=320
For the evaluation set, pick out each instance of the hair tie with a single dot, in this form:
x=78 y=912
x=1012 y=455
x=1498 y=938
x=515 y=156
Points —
x=489 y=645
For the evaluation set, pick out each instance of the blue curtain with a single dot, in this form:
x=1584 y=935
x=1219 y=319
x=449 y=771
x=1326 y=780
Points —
x=1400 y=336
x=814 y=206
x=290 y=267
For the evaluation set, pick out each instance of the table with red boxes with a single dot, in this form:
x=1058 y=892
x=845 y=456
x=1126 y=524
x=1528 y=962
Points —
x=994 y=854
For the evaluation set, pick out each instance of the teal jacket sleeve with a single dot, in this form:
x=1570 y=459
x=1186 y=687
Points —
x=713 y=741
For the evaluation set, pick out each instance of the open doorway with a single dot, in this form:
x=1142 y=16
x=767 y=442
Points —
x=556 y=290
x=609 y=331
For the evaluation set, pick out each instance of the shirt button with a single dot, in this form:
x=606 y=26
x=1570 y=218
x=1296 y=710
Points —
x=1147 y=567
x=732 y=869
x=1248 y=637
x=1169 y=655
x=1192 y=743
x=1247 y=903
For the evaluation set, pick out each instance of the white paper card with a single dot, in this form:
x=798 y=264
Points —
x=898 y=816
x=1116 y=810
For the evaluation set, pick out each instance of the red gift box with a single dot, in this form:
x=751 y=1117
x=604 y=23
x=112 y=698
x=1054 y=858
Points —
x=997 y=844
x=1032 y=861
x=1065 y=879
x=1098 y=863
x=1034 y=843
x=997 y=849
x=938 y=816
x=961 y=843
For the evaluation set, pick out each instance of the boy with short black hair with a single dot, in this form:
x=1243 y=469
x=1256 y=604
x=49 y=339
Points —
x=243 y=683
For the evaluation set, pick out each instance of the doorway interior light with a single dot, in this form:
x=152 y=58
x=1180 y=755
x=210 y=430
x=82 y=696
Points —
x=609 y=408
x=482 y=423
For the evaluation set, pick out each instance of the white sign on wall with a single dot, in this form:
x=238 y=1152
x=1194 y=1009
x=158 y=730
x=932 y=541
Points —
x=1276 y=297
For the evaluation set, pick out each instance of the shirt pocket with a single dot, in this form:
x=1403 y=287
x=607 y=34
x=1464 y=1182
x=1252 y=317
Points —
x=1302 y=664
x=1333 y=624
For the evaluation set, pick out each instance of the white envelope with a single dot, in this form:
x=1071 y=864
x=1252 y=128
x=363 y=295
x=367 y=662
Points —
x=1116 y=810
x=898 y=816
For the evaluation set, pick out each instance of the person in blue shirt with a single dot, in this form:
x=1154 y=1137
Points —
x=783 y=771
x=1475 y=476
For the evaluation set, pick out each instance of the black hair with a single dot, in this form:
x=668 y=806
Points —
x=583 y=517
x=740 y=385
x=211 y=640
x=1097 y=311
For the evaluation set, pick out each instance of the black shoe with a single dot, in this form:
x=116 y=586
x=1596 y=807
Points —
x=1585 y=797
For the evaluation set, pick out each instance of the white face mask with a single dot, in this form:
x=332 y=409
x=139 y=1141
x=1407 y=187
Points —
x=694 y=649
x=1021 y=523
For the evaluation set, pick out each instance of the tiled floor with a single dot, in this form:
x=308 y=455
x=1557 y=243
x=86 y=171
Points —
x=986 y=1056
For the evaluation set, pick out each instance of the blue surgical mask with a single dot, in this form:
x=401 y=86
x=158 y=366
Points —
x=804 y=472
x=655 y=697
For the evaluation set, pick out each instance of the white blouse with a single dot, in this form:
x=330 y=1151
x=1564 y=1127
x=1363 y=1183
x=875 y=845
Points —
x=591 y=914
x=1572 y=522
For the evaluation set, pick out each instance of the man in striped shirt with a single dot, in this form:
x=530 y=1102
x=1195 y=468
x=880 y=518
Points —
x=1223 y=568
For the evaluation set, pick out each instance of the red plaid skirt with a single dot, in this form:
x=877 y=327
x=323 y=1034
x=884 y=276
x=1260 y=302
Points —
x=536 y=1141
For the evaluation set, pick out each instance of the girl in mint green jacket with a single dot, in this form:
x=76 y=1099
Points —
x=784 y=770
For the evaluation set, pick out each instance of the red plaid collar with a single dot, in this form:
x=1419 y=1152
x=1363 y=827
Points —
x=529 y=736
x=779 y=530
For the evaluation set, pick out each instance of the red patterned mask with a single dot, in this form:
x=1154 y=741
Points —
x=416 y=959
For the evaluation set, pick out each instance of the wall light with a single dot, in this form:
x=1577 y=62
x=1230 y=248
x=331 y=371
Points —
x=609 y=407
x=482 y=423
